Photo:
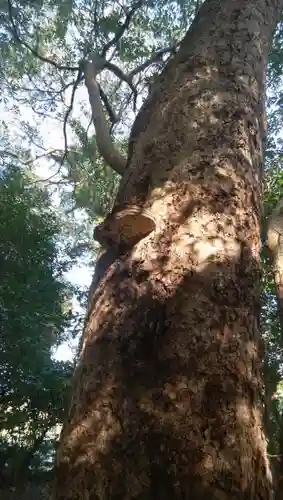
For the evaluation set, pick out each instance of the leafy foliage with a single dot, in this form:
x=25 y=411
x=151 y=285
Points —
x=32 y=320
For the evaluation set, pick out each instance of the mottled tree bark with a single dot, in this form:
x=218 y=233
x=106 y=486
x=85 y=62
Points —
x=166 y=395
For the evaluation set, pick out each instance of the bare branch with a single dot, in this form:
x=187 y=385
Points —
x=52 y=154
x=48 y=179
x=123 y=106
x=104 y=143
x=122 y=28
x=156 y=56
x=69 y=110
x=31 y=49
x=111 y=113
x=121 y=75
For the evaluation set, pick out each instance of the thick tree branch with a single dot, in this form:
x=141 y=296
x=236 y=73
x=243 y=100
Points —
x=104 y=142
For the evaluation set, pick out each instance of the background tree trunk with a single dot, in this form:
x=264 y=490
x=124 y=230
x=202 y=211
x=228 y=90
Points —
x=166 y=395
x=279 y=469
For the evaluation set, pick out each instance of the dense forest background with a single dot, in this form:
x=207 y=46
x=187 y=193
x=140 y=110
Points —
x=55 y=186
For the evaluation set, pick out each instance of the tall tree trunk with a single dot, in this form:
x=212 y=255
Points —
x=166 y=395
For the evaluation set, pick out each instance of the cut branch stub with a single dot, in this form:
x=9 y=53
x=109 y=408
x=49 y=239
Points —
x=124 y=227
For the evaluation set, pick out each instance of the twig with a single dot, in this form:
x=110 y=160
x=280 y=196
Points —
x=51 y=176
x=4 y=152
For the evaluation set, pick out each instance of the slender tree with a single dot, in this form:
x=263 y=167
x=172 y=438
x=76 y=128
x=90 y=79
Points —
x=275 y=244
x=166 y=396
